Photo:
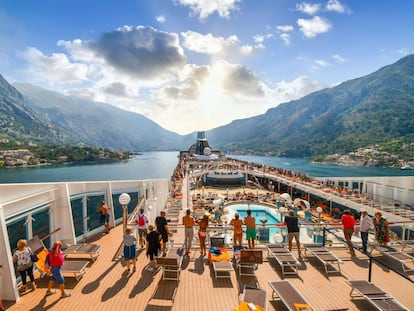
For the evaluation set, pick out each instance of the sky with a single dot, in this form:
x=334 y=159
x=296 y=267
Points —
x=193 y=65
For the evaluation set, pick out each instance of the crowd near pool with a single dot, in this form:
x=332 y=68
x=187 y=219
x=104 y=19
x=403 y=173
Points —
x=269 y=233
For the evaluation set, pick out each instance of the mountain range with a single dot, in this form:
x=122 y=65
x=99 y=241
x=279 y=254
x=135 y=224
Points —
x=377 y=109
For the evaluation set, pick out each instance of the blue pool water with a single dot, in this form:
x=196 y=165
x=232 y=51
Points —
x=259 y=212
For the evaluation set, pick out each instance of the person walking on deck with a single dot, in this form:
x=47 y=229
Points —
x=142 y=222
x=382 y=230
x=365 y=225
x=348 y=226
x=250 y=222
x=188 y=222
x=163 y=229
x=55 y=260
x=153 y=246
x=130 y=249
x=292 y=224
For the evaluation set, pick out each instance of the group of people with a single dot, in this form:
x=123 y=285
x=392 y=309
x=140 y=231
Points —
x=154 y=238
x=24 y=260
x=250 y=222
x=189 y=222
x=378 y=223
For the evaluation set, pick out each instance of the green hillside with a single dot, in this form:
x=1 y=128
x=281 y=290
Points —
x=374 y=109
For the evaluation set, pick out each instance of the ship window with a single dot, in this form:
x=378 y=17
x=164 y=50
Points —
x=41 y=225
x=131 y=206
x=77 y=215
x=92 y=207
x=17 y=230
x=34 y=221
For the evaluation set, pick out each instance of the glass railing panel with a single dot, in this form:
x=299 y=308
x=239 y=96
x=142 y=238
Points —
x=41 y=225
x=92 y=211
x=77 y=215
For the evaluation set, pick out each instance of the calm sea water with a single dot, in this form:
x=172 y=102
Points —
x=156 y=165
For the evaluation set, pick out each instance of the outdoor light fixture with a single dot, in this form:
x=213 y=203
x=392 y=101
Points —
x=124 y=200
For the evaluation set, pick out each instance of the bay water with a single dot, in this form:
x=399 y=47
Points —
x=158 y=165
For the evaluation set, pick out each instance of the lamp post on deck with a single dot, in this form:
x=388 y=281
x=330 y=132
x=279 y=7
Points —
x=319 y=211
x=124 y=200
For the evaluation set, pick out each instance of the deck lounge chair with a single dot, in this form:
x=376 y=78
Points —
x=248 y=261
x=407 y=243
x=70 y=268
x=171 y=264
x=254 y=295
x=221 y=264
x=285 y=258
x=81 y=250
x=375 y=295
x=291 y=298
x=406 y=261
x=325 y=256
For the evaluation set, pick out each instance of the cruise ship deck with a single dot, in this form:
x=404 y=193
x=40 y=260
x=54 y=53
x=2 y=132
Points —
x=107 y=285
x=67 y=212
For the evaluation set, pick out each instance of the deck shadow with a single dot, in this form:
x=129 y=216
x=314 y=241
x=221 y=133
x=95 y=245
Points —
x=150 y=307
x=278 y=304
x=185 y=263
x=247 y=280
x=394 y=264
x=363 y=263
x=42 y=304
x=146 y=279
x=199 y=265
x=166 y=290
x=222 y=282
x=320 y=267
x=278 y=269
x=117 y=287
x=92 y=286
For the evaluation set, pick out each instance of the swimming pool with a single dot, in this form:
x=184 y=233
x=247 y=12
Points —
x=258 y=211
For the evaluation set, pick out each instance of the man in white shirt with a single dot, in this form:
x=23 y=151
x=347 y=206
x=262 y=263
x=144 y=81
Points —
x=365 y=225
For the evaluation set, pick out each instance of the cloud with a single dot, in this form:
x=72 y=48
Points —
x=404 y=52
x=117 y=89
x=160 y=19
x=56 y=68
x=284 y=28
x=285 y=38
x=187 y=85
x=339 y=58
x=88 y=93
x=204 y=8
x=259 y=39
x=299 y=87
x=308 y=8
x=312 y=27
x=318 y=64
x=240 y=80
x=208 y=44
x=142 y=52
x=335 y=6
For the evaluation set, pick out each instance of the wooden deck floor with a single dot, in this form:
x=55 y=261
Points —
x=107 y=286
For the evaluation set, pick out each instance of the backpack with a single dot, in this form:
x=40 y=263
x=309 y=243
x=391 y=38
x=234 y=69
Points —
x=141 y=220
